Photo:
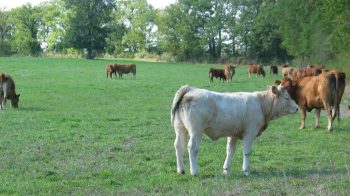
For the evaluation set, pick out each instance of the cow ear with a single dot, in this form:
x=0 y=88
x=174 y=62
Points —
x=274 y=90
x=278 y=82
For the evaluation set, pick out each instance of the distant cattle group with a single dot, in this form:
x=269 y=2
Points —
x=225 y=74
x=120 y=69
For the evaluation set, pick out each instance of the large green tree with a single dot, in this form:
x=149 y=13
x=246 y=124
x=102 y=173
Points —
x=25 y=22
x=5 y=35
x=52 y=25
x=137 y=16
x=87 y=26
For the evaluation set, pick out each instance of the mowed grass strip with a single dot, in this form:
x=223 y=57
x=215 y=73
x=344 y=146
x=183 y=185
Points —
x=77 y=132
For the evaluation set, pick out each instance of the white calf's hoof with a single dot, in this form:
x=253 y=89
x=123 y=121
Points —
x=226 y=172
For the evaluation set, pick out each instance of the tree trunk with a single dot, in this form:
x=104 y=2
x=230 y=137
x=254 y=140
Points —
x=88 y=53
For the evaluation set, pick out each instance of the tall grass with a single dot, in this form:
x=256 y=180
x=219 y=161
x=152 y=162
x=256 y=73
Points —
x=78 y=133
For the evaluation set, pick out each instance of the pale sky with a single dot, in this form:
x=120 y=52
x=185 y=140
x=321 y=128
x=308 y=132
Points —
x=9 y=4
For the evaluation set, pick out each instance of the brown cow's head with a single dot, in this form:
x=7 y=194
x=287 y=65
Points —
x=15 y=100
x=288 y=84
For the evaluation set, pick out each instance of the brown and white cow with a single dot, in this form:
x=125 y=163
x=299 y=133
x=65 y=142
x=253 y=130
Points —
x=110 y=69
x=8 y=91
x=240 y=115
x=318 y=92
x=258 y=69
x=125 y=69
x=287 y=71
x=232 y=70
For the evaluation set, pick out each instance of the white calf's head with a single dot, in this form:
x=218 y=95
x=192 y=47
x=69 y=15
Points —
x=282 y=103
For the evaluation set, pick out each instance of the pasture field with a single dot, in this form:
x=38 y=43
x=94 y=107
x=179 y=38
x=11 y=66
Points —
x=78 y=133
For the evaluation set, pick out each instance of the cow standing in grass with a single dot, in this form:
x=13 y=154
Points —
x=224 y=74
x=273 y=70
x=125 y=69
x=258 y=69
x=236 y=116
x=110 y=69
x=232 y=70
x=317 y=92
x=8 y=91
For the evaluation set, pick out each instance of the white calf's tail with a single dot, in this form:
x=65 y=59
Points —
x=177 y=100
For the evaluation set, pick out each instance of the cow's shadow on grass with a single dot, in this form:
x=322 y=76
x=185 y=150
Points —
x=291 y=173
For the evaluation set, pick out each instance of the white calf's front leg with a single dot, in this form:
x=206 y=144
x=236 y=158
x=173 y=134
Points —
x=247 y=147
x=193 y=146
x=179 y=144
x=230 y=151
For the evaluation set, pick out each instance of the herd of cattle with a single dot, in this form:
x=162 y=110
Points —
x=243 y=115
x=239 y=115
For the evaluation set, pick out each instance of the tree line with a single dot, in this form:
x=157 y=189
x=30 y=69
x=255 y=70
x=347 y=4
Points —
x=267 y=31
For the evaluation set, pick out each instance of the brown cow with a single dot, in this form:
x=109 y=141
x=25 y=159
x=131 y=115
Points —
x=340 y=87
x=297 y=73
x=231 y=69
x=312 y=70
x=110 y=69
x=258 y=69
x=274 y=70
x=317 y=92
x=8 y=91
x=125 y=69
x=223 y=74
x=287 y=71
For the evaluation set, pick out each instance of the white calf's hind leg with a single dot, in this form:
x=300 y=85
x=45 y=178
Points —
x=179 y=144
x=193 y=147
x=230 y=151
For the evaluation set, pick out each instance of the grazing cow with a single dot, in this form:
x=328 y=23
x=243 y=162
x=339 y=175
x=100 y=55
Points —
x=110 y=69
x=258 y=69
x=274 y=70
x=223 y=74
x=125 y=69
x=236 y=116
x=8 y=91
x=317 y=92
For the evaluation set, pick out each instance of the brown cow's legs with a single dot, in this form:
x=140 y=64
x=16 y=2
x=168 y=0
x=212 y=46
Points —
x=317 y=118
x=303 y=116
x=330 y=120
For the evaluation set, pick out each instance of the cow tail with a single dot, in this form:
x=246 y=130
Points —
x=177 y=100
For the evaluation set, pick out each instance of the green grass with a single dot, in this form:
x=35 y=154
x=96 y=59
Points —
x=78 y=133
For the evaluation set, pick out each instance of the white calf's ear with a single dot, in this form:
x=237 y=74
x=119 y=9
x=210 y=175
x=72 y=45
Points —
x=274 y=90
